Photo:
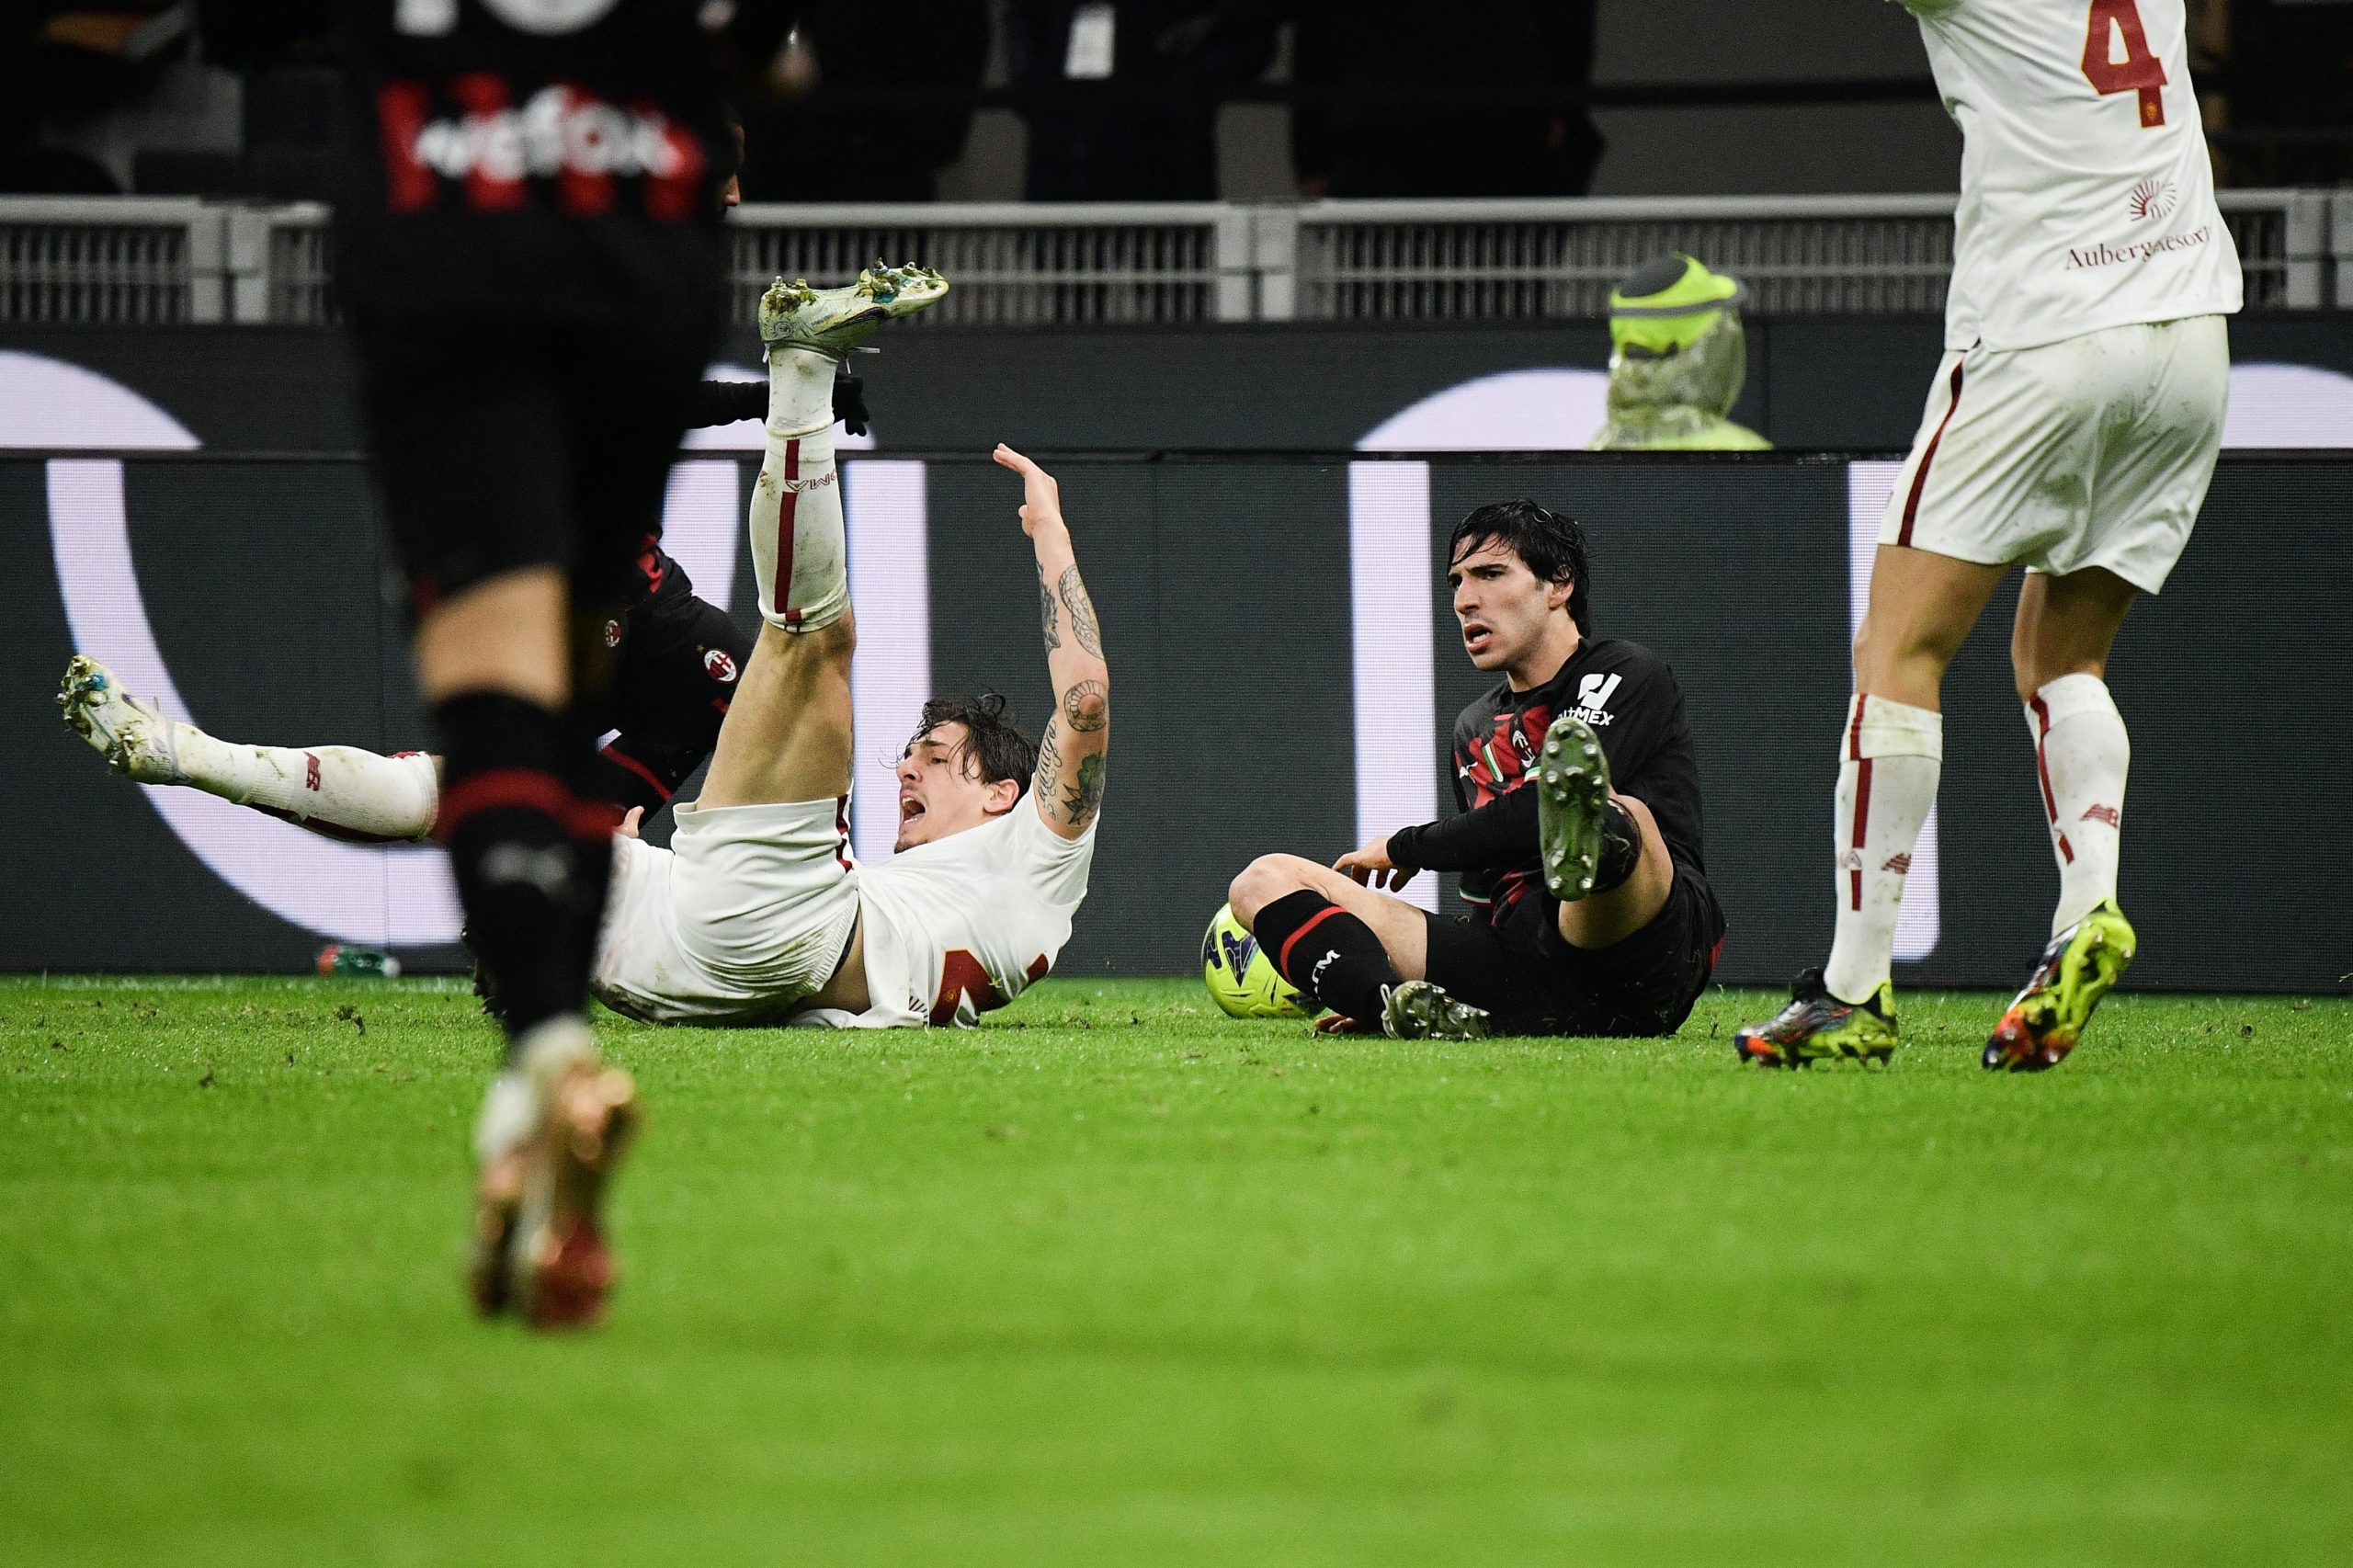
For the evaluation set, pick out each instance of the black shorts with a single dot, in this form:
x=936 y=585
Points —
x=509 y=442
x=1533 y=983
x=678 y=660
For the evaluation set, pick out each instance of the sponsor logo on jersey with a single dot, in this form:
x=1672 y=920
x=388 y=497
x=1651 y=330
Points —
x=1900 y=864
x=1593 y=693
x=2107 y=814
x=2105 y=255
x=719 y=665
x=559 y=134
x=2152 y=198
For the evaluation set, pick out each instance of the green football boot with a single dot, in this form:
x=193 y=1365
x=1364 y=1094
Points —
x=2048 y=1017
x=834 y=321
x=1572 y=807
x=1419 y=1010
x=1817 y=1027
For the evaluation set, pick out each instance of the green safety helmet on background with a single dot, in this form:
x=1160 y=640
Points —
x=1669 y=305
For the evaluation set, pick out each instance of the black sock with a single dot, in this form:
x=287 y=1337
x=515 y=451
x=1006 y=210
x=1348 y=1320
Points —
x=532 y=860
x=1326 y=953
x=1621 y=848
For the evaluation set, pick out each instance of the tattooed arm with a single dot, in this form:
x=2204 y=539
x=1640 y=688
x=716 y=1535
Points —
x=1068 y=787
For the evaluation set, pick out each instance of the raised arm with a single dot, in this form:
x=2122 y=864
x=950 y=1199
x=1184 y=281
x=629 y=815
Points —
x=1069 y=783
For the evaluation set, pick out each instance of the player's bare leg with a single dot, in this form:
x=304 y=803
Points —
x=1921 y=607
x=1891 y=753
x=788 y=736
x=2059 y=651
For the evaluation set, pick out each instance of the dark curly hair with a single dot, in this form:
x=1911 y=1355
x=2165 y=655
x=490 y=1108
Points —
x=993 y=745
x=1551 y=543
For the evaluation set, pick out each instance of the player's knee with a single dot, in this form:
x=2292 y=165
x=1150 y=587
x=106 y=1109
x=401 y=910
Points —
x=1262 y=881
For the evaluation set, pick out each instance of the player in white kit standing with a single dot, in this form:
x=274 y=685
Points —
x=2072 y=428
x=757 y=914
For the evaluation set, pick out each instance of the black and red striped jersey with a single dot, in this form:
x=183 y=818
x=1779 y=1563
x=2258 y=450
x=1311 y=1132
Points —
x=565 y=155
x=1630 y=697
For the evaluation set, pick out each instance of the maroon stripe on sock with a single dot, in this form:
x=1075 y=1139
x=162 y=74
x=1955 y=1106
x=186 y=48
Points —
x=2043 y=775
x=613 y=754
x=1928 y=455
x=1282 y=959
x=1862 y=821
x=785 y=511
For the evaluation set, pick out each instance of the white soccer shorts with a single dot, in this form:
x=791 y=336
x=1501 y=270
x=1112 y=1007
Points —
x=2091 y=451
x=748 y=911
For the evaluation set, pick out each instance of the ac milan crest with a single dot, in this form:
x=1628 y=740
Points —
x=718 y=663
x=612 y=634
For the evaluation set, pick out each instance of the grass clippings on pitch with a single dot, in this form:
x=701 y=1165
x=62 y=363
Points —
x=1117 y=1280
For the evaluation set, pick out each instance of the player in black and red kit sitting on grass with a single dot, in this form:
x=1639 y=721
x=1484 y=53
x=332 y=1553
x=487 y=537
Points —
x=1592 y=913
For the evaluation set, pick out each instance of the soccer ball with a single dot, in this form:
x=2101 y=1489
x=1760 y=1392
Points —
x=1241 y=978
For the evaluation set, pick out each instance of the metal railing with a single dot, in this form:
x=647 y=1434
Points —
x=1799 y=255
x=141 y=260
x=136 y=261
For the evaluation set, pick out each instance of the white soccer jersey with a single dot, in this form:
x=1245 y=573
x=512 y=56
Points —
x=966 y=924
x=2086 y=200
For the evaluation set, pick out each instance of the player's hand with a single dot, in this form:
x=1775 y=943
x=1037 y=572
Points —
x=1372 y=866
x=629 y=823
x=1338 y=1023
x=1042 y=498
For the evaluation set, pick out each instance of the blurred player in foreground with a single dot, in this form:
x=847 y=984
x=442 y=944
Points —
x=530 y=262
x=2072 y=428
x=1594 y=915
x=1677 y=356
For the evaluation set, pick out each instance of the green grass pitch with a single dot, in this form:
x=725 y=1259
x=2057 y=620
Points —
x=1116 y=1280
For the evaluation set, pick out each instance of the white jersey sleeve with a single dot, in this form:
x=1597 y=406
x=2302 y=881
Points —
x=957 y=927
x=2087 y=197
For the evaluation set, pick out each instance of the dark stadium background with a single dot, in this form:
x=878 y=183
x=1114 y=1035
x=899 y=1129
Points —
x=1207 y=472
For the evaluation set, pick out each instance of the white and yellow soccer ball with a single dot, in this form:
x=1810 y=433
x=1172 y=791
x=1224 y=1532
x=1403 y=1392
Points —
x=1241 y=978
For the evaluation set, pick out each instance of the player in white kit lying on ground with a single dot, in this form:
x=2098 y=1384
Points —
x=757 y=914
x=2071 y=429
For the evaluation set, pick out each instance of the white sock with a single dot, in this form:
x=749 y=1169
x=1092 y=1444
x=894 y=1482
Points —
x=2081 y=755
x=797 y=532
x=335 y=792
x=1888 y=764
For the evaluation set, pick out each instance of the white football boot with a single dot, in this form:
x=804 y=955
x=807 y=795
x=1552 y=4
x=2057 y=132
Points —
x=138 y=741
x=832 y=322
